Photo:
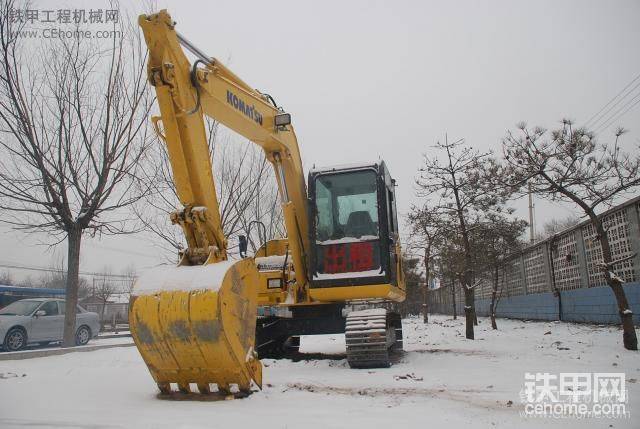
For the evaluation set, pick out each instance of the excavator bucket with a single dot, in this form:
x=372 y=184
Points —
x=195 y=326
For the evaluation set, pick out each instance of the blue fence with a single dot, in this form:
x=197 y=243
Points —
x=559 y=278
x=593 y=305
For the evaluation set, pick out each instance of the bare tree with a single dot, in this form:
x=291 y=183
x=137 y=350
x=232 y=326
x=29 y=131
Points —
x=555 y=226
x=73 y=115
x=245 y=185
x=428 y=229
x=26 y=281
x=129 y=274
x=247 y=191
x=6 y=279
x=448 y=264
x=56 y=275
x=569 y=165
x=84 y=288
x=103 y=289
x=414 y=290
x=493 y=240
x=465 y=182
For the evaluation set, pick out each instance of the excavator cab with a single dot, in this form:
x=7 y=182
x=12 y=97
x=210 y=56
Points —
x=354 y=233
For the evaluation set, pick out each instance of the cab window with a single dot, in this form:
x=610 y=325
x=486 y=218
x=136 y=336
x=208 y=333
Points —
x=347 y=206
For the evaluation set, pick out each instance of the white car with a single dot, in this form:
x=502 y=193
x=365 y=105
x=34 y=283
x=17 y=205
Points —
x=41 y=320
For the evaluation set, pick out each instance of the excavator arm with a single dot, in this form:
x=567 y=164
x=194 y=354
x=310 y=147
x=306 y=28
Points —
x=186 y=92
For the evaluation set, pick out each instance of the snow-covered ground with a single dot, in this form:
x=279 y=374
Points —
x=442 y=380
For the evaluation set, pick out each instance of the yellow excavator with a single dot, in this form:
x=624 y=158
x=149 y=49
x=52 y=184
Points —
x=204 y=324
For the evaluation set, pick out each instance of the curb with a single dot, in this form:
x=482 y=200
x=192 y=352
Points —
x=101 y=337
x=55 y=352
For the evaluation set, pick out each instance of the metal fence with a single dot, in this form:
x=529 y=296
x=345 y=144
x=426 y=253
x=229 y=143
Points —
x=564 y=262
x=112 y=312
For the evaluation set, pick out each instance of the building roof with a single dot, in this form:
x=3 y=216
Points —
x=41 y=299
x=32 y=290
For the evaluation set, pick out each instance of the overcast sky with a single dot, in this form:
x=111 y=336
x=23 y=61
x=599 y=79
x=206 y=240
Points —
x=386 y=79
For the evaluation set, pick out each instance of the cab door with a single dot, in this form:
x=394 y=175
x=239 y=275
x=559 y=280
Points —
x=392 y=228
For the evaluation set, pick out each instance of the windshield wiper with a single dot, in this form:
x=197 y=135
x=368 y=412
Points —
x=8 y=314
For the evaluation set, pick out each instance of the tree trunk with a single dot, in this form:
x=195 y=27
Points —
x=468 y=312
x=494 y=296
x=629 y=338
x=453 y=296
x=425 y=298
x=468 y=273
x=475 y=315
x=104 y=305
x=74 y=238
x=425 y=305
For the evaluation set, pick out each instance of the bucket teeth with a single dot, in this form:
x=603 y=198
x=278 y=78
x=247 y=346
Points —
x=204 y=388
x=165 y=388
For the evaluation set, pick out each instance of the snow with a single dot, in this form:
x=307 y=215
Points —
x=275 y=262
x=442 y=380
x=349 y=275
x=120 y=298
x=615 y=277
x=183 y=278
x=352 y=166
x=345 y=240
x=368 y=312
x=371 y=320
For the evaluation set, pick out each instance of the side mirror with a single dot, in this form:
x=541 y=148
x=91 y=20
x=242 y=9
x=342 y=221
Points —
x=242 y=245
x=40 y=313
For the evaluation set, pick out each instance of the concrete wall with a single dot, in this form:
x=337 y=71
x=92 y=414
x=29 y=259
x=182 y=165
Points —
x=539 y=306
x=567 y=262
x=593 y=305
x=598 y=305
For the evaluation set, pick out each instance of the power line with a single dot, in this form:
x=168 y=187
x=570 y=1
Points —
x=605 y=118
x=119 y=250
x=16 y=266
x=615 y=116
x=612 y=100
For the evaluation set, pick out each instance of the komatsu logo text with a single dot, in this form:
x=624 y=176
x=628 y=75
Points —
x=249 y=110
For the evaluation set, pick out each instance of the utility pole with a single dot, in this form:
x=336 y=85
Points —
x=531 y=225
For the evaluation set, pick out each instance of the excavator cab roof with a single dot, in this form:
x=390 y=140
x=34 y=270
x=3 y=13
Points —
x=344 y=167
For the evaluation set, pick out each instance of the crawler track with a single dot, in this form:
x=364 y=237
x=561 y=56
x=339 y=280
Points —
x=371 y=337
